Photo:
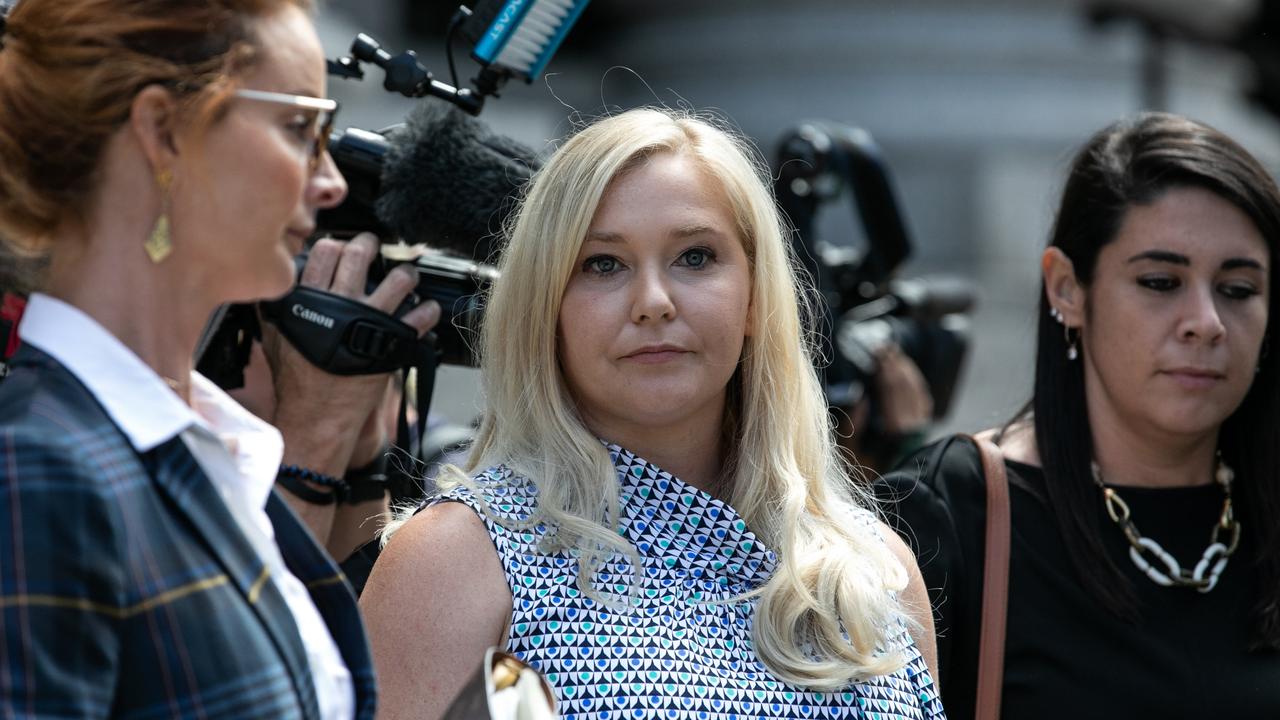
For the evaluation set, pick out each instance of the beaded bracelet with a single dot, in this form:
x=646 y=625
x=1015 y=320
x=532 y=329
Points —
x=292 y=478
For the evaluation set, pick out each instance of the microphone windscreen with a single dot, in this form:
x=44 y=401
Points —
x=450 y=182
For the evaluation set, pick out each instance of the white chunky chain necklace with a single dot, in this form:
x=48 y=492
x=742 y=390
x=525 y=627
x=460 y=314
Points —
x=1156 y=562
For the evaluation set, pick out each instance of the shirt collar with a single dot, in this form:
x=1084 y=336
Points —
x=255 y=446
x=134 y=396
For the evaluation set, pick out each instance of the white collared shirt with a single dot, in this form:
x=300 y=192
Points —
x=240 y=453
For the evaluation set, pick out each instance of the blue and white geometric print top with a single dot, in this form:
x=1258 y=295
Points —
x=672 y=655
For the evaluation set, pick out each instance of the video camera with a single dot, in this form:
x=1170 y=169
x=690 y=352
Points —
x=441 y=179
x=864 y=306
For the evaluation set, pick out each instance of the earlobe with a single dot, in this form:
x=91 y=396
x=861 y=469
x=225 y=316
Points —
x=1065 y=293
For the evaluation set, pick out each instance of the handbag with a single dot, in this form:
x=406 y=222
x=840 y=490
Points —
x=995 y=583
x=504 y=688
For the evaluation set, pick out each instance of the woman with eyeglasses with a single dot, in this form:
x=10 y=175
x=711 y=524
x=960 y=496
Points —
x=167 y=157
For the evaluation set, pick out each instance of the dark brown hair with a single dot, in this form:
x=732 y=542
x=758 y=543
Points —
x=69 y=70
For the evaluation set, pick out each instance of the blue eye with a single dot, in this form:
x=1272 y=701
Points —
x=697 y=258
x=601 y=265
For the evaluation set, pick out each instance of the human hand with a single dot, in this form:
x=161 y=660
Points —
x=906 y=404
x=324 y=417
x=373 y=437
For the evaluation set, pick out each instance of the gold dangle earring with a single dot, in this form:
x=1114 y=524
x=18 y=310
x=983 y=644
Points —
x=159 y=244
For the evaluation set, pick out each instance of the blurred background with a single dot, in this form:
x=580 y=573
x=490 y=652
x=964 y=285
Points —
x=977 y=105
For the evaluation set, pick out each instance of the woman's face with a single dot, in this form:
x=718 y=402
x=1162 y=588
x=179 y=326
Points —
x=1176 y=315
x=656 y=310
x=251 y=193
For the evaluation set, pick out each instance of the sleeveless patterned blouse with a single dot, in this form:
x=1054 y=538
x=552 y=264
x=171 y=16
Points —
x=672 y=655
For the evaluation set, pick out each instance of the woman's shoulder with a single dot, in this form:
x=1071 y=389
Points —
x=942 y=467
x=65 y=465
x=943 y=487
x=41 y=400
x=437 y=570
x=504 y=503
x=498 y=491
x=53 y=433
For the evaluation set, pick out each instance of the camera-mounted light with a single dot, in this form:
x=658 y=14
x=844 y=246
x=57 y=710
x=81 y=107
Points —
x=518 y=37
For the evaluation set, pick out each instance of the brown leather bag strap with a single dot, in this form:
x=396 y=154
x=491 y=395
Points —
x=995 y=583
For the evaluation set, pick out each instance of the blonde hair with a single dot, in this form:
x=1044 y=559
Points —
x=827 y=616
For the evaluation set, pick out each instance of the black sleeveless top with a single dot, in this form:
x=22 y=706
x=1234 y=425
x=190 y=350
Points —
x=1065 y=655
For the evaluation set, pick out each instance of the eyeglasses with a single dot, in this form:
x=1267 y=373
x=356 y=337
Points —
x=322 y=124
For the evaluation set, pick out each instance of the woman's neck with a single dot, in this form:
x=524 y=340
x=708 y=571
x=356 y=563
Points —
x=1126 y=458
x=133 y=300
x=1158 y=460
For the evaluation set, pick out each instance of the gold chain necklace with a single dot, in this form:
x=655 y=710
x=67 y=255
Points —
x=1155 y=561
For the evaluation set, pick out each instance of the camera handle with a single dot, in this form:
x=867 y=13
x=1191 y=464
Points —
x=341 y=335
x=346 y=337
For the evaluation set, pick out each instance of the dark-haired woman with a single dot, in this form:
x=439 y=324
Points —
x=1144 y=477
x=167 y=157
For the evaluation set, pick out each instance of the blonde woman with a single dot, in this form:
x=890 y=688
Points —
x=675 y=534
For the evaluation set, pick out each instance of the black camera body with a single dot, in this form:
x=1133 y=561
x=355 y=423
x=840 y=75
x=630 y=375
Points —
x=864 y=305
x=459 y=285
x=926 y=317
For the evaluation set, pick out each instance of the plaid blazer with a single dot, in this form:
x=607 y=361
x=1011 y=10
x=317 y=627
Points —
x=126 y=588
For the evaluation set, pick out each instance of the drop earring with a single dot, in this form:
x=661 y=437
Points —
x=159 y=244
x=1073 y=347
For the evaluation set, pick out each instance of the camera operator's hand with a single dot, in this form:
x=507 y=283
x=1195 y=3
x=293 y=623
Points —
x=906 y=404
x=905 y=407
x=331 y=423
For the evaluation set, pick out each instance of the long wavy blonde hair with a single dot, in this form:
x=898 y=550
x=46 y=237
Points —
x=827 y=615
